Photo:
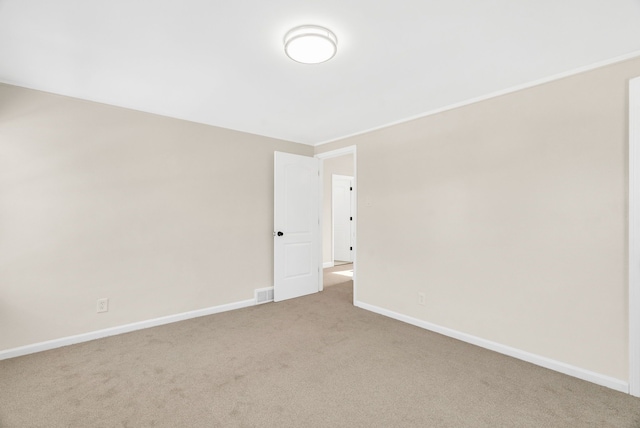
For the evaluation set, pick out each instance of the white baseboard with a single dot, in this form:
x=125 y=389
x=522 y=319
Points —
x=597 y=378
x=85 y=337
x=327 y=265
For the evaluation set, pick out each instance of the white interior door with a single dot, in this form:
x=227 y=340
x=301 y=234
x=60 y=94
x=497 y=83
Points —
x=296 y=226
x=342 y=217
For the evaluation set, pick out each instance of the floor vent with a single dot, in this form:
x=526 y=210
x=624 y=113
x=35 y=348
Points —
x=264 y=295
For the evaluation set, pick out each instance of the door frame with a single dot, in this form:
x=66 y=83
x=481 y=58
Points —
x=333 y=216
x=350 y=150
x=634 y=237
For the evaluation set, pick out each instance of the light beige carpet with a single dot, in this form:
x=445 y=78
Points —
x=315 y=361
x=335 y=275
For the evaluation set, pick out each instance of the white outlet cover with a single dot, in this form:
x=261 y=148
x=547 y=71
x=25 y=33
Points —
x=421 y=298
x=102 y=305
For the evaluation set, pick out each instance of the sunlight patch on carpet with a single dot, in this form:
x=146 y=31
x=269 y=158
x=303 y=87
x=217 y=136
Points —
x=348 y=273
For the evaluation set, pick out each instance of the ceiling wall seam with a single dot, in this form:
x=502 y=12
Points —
x=521 y=87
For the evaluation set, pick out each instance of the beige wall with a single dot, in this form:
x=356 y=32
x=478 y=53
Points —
x=341 y=165
x=510 y=215
x=161 y=216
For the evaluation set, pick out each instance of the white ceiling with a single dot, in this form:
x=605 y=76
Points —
x=222 y=62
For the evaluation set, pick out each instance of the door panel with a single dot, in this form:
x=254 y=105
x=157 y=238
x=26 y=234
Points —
x=296 y=215
x=342 y=215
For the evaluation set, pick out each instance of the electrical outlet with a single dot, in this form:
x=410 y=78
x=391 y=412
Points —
x=421 y=298
x=102 y=305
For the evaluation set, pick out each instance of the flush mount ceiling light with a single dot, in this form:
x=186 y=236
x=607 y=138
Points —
x=310 y=44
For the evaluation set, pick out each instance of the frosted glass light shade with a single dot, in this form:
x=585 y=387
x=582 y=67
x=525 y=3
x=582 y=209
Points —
x=310 y=44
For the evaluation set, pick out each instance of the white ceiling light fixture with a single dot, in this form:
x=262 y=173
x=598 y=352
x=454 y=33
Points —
x=310 y=44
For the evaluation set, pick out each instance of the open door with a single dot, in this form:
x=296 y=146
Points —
x=296 y=226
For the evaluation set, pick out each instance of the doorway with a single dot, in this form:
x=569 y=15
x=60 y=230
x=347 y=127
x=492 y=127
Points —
x=339 y=266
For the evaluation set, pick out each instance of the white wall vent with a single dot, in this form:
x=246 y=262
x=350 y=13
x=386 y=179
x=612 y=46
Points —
x=264 y=295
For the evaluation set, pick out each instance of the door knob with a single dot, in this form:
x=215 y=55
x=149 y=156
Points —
x=280 y=233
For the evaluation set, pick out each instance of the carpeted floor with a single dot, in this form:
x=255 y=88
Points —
x=314 y=361
x=336 y=275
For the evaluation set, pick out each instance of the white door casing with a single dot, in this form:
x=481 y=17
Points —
x=634 y=237
x=341 y=217
x=296 y=226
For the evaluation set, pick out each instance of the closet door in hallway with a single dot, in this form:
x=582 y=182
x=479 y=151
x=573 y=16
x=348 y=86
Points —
x=342 y=221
